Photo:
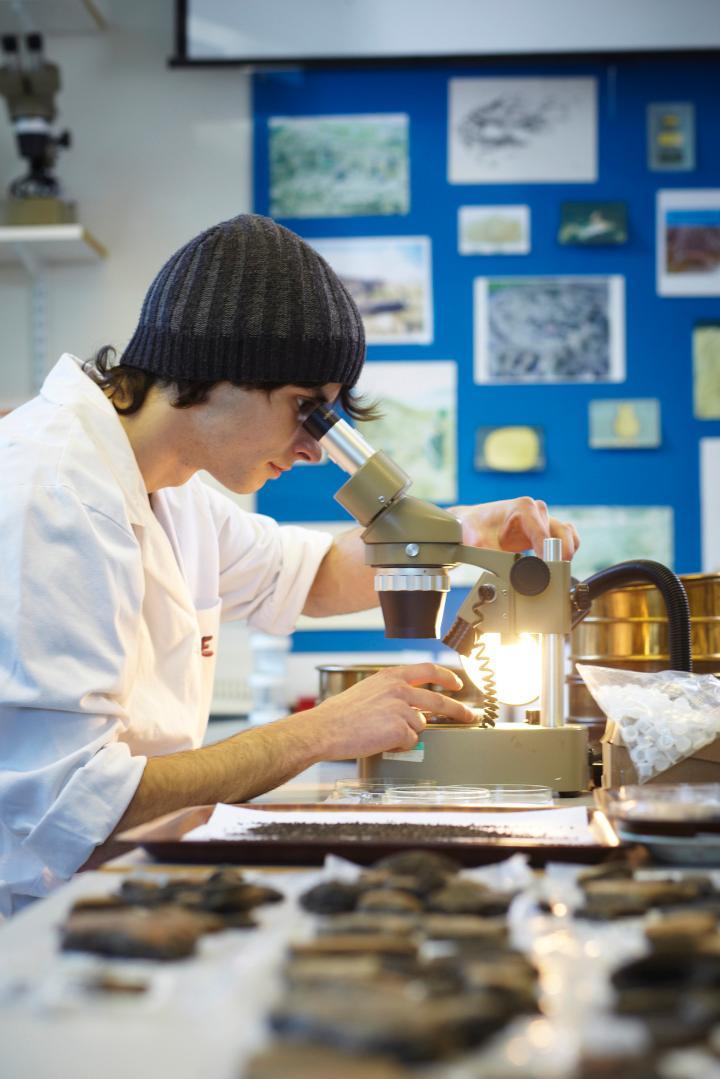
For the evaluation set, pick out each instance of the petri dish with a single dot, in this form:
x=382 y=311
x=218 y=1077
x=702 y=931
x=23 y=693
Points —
x=358 y=791
x=430 y=792
x=493 y=794
x=418 y=794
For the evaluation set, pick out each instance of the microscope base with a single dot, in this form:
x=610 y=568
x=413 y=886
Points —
x=554 y=757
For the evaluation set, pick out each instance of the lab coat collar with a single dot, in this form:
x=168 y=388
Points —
x=67 y=384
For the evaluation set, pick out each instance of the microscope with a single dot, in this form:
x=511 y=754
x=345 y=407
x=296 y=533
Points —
x=413 y=545
x=29 y=83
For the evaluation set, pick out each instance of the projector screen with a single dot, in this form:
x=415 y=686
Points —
x=261 y=32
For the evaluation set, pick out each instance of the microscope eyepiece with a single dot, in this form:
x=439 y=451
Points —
x=345 y=446
x=320 y=420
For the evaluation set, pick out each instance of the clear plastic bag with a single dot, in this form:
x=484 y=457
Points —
x=662 y=716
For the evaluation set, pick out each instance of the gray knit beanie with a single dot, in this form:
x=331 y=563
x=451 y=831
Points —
x=248 y=301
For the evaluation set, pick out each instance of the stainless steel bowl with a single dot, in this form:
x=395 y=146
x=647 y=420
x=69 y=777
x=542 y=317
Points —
x=337 y=677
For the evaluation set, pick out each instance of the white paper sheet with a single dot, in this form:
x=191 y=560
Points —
x=556 y=825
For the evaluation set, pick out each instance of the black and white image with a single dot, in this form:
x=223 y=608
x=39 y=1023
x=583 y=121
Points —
x=515 y=130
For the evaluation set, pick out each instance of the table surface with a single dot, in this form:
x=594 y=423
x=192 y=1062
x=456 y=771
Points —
x=198 y=1020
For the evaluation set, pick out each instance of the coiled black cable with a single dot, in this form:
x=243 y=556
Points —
x=489 y=689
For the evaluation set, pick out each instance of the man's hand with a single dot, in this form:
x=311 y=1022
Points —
x=515 y=524
x=381 y=713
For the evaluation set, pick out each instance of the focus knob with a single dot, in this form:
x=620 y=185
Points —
x=530 y=575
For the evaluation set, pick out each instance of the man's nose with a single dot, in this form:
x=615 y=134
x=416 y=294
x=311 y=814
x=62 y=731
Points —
x=306 y=448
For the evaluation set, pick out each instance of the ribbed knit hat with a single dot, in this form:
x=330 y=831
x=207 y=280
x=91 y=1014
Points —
x=248 y=301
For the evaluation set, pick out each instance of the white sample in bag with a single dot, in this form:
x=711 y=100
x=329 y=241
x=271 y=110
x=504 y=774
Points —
x=662 y=716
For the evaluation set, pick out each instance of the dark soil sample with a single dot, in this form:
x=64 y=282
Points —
x=331 y=897
x=367 y=832
x=164 y=933
x=467 y=897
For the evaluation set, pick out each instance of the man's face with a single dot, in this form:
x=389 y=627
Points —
x=246 y=437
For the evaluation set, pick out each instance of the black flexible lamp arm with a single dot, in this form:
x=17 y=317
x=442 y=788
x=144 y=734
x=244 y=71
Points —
x=668 y=584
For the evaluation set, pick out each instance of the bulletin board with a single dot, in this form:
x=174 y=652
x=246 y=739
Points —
x=656 y=330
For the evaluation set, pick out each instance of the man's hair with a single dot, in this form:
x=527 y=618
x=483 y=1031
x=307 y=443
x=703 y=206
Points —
x=132 y=385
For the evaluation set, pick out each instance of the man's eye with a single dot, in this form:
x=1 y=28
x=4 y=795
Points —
x=305 y=407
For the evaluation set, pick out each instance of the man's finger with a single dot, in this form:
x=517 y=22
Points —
x=418 y=674
x=418 y=721
x=439 y=705
x=568 y=535
x=528 y=518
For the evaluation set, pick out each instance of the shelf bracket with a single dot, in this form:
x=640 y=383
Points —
x=38 y=313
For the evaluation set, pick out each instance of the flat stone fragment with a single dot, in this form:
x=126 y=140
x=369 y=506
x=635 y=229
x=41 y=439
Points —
x=389 y=902
x=355 y=944
x=162 y=933
x=460 y=896
x=331 y=897
x=374 y=1020
x=368 y=922
x=292 y=1061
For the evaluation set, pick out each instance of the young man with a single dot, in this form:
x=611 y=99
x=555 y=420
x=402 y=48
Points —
x=119 y=563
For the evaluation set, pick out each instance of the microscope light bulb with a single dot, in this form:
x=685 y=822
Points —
x=516 y=666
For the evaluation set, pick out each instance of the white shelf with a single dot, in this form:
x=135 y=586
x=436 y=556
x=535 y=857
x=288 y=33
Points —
x=48 y=244
x=37 y=248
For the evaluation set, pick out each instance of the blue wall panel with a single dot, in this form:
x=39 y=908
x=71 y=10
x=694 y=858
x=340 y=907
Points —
x=659 y=330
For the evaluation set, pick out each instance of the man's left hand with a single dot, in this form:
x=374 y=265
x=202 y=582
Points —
x=514 y=524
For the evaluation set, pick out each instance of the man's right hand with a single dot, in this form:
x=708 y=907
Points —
x=382 y=713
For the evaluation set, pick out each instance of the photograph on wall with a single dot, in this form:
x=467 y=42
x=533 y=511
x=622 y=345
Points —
x=710 y=503
x=706 y=370
x=522 y=130
x=593 y=223
x=516 y=448
x=494 y=230
x=418 y=427
x=339 y=166
x=671 y=137
x=612 y=534
x=688 y=242
x=390 y=279
x=549 y=329
x=618 y=424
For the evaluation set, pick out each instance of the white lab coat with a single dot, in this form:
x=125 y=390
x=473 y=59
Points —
x=109 y=612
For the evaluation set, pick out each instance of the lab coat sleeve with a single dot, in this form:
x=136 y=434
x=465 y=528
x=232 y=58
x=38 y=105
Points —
x=266 y=569
x=70 y=595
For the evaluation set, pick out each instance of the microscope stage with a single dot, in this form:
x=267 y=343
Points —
x=554 y=757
